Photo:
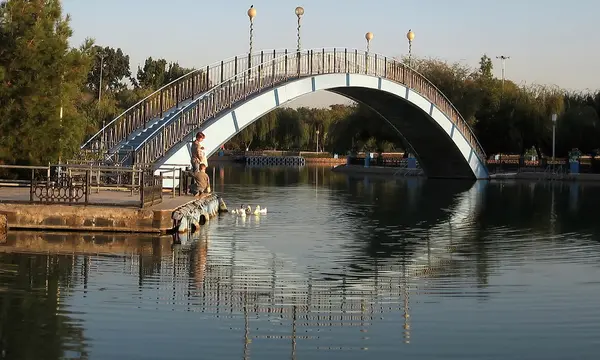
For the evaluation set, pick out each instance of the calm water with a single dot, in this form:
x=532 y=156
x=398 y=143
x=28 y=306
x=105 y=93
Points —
x=340 y=268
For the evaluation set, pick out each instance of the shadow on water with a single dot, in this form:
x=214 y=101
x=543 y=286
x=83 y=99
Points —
x=392 y=256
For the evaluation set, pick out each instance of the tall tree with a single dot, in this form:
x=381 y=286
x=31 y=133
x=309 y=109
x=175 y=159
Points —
x=153 y=74
x=485 y=67
x=114 y=66
x=42 y=81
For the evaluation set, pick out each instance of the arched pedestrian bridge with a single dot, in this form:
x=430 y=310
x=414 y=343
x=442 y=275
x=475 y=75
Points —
x=223 y=98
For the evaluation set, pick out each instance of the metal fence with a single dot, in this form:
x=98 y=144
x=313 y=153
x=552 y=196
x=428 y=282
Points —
x=80 y=184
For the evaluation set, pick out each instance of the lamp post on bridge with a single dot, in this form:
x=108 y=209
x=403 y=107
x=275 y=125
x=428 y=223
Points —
x=299 y=13
x=410 y=35
x=251 y=16
x=369 y=37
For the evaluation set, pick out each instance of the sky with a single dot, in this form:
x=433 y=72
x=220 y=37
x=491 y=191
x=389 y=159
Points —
x=548 y=41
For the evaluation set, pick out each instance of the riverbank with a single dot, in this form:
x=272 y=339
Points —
x=530 y=176
x=378 y=170
x=545 y=176
x=113 y=211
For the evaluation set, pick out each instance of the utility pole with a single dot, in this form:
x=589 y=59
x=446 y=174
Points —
x=503 y=58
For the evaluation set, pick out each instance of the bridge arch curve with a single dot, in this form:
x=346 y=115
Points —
x=445 y=148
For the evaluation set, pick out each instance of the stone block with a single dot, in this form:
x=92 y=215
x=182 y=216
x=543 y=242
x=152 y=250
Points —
x=3 y=227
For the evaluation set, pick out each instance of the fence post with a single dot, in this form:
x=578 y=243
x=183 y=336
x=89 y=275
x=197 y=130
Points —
x=160 y=182
x=177 y=95
x=180 y=181
x=132 y=178
x=273 y=69
x=173 y=184
x=161 y=103
x=88 y=175
x=31 y=185
x=345 y=60
x=222 y=71
x=142 y=189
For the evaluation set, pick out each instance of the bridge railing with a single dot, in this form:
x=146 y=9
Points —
x=280 y=69
x=170 y=95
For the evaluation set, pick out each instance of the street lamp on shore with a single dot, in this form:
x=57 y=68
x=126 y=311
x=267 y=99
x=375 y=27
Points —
x=410 y=35
x=317 y=140
x=369 y=37
x=503 y=58
x=554 y=118
x=251 y=16
x=101 y=55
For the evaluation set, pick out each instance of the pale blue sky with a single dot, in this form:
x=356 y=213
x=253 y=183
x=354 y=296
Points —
x=549 y=41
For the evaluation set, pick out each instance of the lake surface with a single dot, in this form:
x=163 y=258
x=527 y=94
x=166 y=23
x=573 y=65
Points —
x=340 y=268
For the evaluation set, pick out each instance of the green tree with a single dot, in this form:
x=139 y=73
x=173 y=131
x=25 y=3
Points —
x=485 y=67
x=153 y=74
x=115 y=70
x=42 y=82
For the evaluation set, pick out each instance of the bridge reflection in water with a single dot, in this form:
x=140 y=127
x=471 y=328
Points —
x=211 y=274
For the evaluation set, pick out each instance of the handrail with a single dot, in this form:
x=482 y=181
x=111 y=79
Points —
x=204 y=71
x=203 y=96
x=295 y=65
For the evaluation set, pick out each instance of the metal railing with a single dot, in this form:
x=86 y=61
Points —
x=73 y=184
x=169 y=96
x=151 y=189
x=277 y=70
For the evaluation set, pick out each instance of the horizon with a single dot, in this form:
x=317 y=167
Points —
x=437 y=35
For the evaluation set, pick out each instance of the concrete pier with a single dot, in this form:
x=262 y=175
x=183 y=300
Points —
x=112 y=212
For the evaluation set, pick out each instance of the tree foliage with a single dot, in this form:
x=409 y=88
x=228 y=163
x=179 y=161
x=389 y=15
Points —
x=337 y=129
x=49 y=100
x=156 y=73
x=42 y=79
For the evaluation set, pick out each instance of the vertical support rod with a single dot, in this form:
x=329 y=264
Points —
x=553 y=142
x=173 y=184
x=161 y=103
x=177 y=94
x=88 y=176
x=142 y=189
x=132 y=178
x=31 y=184
x=409 y=53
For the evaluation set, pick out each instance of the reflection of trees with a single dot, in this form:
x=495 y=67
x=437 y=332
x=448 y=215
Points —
x=539 y=208
x=32 y=323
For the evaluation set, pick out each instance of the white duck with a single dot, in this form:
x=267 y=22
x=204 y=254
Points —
x=259 y=211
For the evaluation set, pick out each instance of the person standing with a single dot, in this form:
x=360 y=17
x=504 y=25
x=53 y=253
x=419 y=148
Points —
x=198 y=154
